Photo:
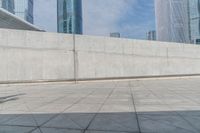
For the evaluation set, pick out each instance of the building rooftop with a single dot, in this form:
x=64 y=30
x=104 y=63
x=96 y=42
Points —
x=166 y=105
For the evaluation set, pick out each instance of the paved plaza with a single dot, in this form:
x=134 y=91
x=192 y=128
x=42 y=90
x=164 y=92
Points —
x=136 y=106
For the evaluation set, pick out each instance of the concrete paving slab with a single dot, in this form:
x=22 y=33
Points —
x=36 y=131
x=15 y=129
x=117 y=108
x=84 y=108
x=117 y=122
x=71 y=121
x=90 y=131
x=4 y=117
x=57 y=130
x=22 y=120
x=193 y=119
x=42 y=118
x=165 y=123
x=131 y=106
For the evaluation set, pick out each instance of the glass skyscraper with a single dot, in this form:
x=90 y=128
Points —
x=24 y=9
x=8 y=5
x=69 y=16
x=151 y=35
x=194 y=13
x=21 y=8
x=115 y=34
x=172 y=20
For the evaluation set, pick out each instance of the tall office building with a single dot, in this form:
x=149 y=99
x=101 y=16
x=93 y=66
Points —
x=24 y=9
x=194 y=13
x=69 y=13
x=115 y=34
x=8 y=5
x=172 y=20
x=21 y=8
x=151 y=35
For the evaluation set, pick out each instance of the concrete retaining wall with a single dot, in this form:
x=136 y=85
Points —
x=109 y=57
x=34 y=56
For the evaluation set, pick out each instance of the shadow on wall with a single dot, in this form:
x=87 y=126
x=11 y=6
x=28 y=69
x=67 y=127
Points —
x=124 y=122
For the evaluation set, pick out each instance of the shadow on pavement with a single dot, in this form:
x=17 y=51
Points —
x=10 y=98
x=119 y=122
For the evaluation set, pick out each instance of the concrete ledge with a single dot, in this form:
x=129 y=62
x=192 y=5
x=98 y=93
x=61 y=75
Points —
x=101 y=79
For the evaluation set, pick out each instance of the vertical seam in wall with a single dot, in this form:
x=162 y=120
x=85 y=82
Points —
x=167 y=56
x=7 y=56
x=123 y=62
x=76 y=59
x=74 y=53
x=167 y=52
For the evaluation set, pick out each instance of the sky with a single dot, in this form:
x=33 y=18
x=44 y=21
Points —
x=132 y=18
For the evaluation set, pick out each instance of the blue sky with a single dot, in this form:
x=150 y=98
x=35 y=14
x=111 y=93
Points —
x=132 y=18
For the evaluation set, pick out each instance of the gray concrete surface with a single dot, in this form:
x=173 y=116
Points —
x=135 y=106
x=33 y=56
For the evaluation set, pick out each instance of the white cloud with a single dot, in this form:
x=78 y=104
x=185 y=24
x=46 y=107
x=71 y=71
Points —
x=102 y=16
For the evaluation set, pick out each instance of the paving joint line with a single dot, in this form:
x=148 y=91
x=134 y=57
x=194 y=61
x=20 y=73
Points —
x=136 y=113
x=175 y=112
x=31 y=114
x=32 y=130
x=87 y=130
x=66 y=108
x=99 y=108
x=48 y=103
x=182 y=115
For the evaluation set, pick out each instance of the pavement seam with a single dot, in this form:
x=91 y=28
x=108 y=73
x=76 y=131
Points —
x=165 y=123
x=100 y=108
x=88 y=130
x=172 y=110
x=50 y=102
x=136 y=113
x=182 y=115
x=31 y=114
x=67 y=108
x=35 y=128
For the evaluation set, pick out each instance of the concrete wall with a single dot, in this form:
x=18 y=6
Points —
x=33 y=56
x=110 y=57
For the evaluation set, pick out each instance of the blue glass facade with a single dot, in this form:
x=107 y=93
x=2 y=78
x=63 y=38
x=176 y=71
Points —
x=172 y=20
x=69 y=13
x=8 y=5
x=24 y=9
x=151 y=35
x=21 y=8
x=194 y=13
